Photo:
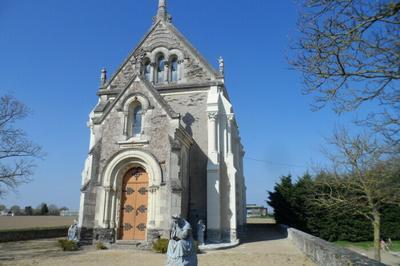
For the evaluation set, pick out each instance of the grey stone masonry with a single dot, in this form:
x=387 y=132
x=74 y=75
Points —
x=153 y=113
x=324 y=253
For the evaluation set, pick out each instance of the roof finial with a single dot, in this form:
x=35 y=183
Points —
x=162 y=10
x=103 y=76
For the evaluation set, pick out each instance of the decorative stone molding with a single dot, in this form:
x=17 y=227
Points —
x=133 y=142
x=112 y=177
x=153 y=188
x=138 y=97
x=129 y=158
x=212 y=116
x=139 y=55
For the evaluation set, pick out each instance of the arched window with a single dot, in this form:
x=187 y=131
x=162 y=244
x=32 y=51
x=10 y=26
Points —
x=147 y=71
x=134 y=119
x=160 y=68
x=137 y=120
x=174 y=69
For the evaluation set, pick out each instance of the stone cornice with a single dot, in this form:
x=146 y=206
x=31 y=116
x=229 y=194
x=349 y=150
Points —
x=171 y=113
x=175 y=87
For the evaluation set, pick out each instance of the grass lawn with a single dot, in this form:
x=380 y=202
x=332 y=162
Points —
x=367 y=245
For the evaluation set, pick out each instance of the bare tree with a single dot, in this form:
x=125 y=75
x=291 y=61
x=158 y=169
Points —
x=17 y=153
x=349 y=53
x=54 y=210
x=363 y=179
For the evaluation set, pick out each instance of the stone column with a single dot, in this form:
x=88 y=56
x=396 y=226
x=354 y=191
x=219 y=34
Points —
x=175 y=181
x=212 y=132
x=152 y=203
x=232 y=175
x=106 y=216
x=243 y=187
x=180 y=69
x=112 y=214
x=166 y=72
x=230 y=118
x=213 y=182
x=153 y=72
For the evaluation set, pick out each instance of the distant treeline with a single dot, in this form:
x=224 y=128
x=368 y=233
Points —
x=294 y=205
x=41 y=209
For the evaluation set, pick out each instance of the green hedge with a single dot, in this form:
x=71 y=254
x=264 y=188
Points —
x=292 y=206
x=32 y=233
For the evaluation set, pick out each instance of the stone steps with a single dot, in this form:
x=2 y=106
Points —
x=131 y=244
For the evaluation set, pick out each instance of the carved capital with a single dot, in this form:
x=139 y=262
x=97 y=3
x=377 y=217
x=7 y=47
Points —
x=212 y=116
x=153 y=189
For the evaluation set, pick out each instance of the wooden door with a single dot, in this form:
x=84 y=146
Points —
x=134 y=205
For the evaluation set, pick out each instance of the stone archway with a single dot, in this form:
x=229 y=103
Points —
x=110 y=215
x=134 y=205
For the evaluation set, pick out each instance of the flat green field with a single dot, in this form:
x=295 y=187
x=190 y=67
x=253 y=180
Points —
x=366 y=245
x=24 y=222
x=263 y=220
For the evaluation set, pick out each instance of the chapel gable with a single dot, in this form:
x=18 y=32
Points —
x=164 y=57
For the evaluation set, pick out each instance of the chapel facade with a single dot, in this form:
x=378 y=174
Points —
x=163 y=140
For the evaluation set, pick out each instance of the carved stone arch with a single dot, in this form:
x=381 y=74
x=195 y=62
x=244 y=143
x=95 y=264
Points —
x=157 y=51
x=111 y=185
x=176 y=52
x=146 y=61
x=130 y=98
x=179 y=56
x=127 y=107
x=167 y=45
x=126 y=159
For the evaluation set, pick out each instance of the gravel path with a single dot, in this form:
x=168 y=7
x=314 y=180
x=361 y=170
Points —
x=264 y=246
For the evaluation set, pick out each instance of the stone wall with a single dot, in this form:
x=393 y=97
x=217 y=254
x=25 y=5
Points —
x=323 y=252
x=191 y=107
x=29 y=234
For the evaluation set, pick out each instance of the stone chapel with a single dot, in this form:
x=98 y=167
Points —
x=163 y=140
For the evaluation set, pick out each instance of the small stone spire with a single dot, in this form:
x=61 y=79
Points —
x=103 y=77
x=162 y=10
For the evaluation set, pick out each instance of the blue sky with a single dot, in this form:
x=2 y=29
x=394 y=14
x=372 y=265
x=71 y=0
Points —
x=51 y=53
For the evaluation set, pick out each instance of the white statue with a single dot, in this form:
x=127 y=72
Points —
x=73 y=231
x=200 y=232
x=221 y=65
x=181 y=248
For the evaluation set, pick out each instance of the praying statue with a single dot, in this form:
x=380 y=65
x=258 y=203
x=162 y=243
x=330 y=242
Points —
x=73 y=231
x=181 y=247
x=200 y=232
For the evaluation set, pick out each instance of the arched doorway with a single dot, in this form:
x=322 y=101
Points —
x=134 y=204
